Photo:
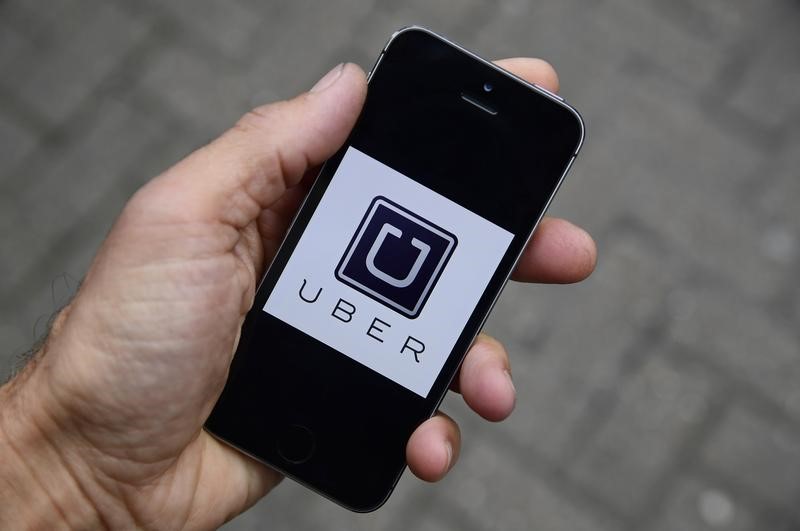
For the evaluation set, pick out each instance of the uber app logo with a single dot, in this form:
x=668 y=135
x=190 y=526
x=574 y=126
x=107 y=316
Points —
x=396 y=257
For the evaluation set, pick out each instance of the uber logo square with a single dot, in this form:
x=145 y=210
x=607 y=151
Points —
x=396 y=257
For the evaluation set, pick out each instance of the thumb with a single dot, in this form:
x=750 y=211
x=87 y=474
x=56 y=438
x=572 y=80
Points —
x=247 y=169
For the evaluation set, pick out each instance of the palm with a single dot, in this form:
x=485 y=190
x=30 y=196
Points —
x=168 y=298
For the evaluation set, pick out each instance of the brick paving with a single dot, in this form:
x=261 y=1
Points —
x=663 y=394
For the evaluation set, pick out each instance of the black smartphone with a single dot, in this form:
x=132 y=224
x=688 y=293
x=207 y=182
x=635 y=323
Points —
x=391 y=267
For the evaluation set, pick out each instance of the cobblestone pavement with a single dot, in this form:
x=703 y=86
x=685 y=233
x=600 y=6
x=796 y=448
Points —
x=662 y=394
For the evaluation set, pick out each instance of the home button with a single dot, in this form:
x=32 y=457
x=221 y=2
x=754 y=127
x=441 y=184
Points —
x=296 y=444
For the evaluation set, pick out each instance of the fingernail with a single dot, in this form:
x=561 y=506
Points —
x=449 y=449
x=328 y=79
x=510 y=381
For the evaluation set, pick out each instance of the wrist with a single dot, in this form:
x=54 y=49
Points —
x=38 y=483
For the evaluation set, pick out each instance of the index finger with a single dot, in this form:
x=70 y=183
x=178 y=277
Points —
x=536 y=71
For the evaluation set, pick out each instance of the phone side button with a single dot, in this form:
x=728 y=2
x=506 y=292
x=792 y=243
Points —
x=296 y=444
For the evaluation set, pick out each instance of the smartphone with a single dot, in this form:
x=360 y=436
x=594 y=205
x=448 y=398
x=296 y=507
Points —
x=391 y=266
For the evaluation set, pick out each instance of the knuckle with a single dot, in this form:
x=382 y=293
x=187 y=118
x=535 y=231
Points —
x=259 y=119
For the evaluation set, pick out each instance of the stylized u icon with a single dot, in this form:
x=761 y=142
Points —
x=422 y=247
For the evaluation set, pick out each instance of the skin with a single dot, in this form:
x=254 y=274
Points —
x=103 y=429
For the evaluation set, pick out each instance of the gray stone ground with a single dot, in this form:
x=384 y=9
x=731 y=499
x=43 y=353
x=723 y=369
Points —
x=662 y=394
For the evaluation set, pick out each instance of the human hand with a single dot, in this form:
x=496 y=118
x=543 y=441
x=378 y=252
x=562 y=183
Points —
x=104 y=427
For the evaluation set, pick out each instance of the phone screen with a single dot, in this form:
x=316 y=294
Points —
x=391 y=266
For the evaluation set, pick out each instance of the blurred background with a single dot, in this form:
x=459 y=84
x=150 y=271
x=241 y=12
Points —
x=661 y=394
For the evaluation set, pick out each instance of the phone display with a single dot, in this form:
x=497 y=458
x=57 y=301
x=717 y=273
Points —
x=392 y=265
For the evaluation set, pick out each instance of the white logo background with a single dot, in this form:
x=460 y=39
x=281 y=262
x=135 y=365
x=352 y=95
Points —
x=358 y=180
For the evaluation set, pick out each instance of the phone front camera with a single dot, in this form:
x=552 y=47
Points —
x=488 y=87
